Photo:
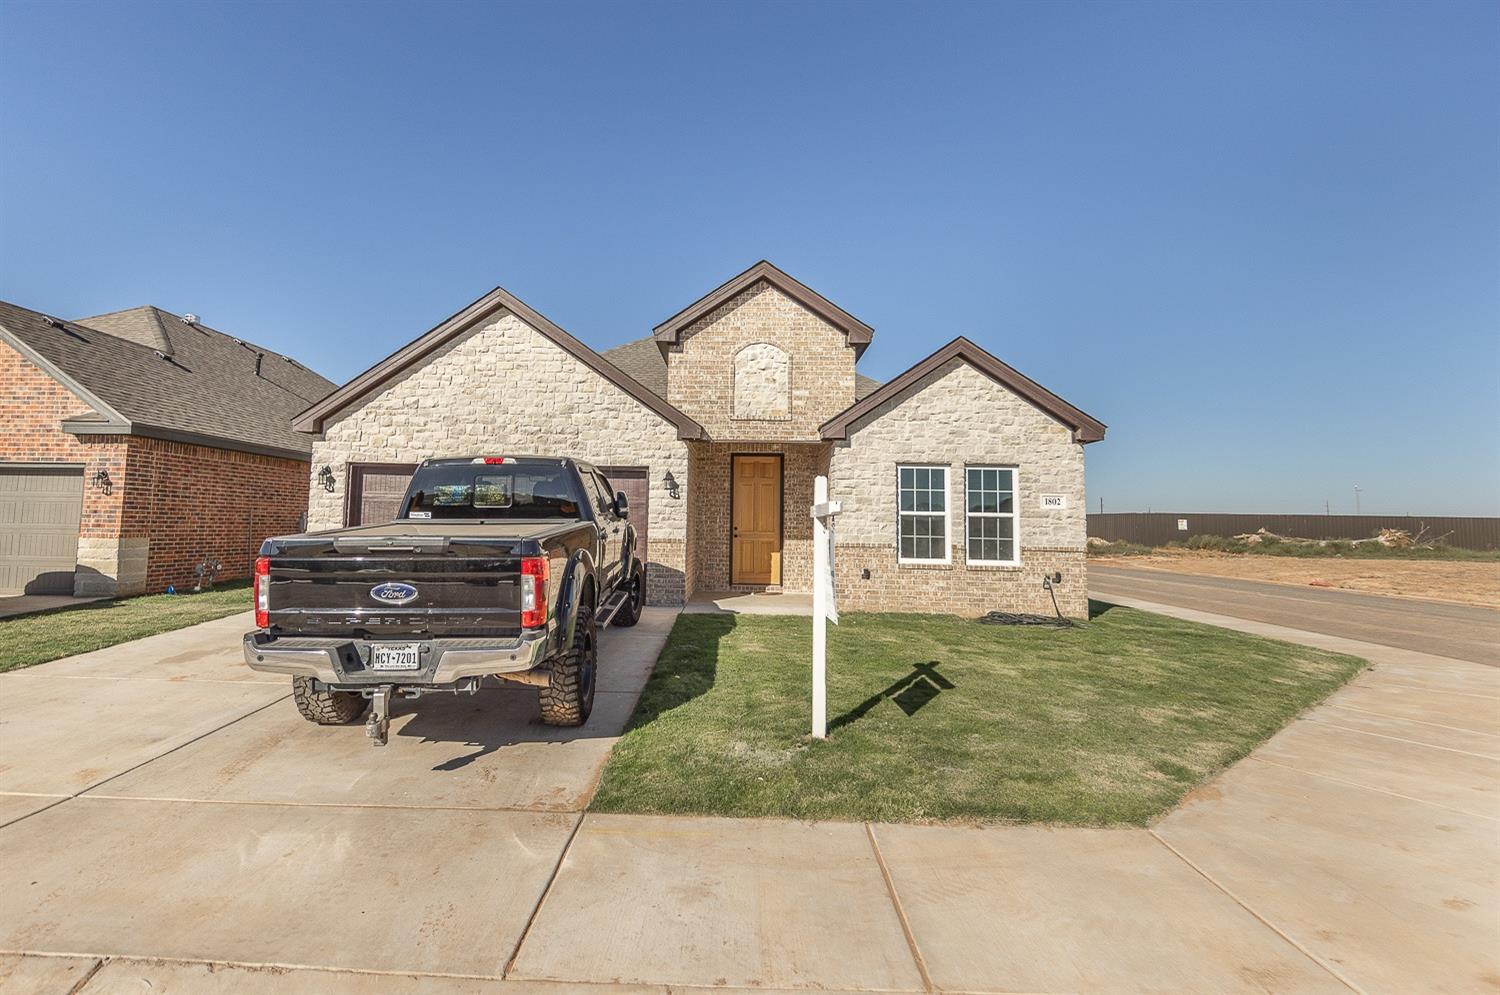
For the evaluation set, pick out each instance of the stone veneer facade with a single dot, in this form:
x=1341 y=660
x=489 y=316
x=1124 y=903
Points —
x=958 y=416
x=168 y=505
x=506 y=388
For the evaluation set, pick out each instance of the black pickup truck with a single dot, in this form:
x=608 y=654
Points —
x=495 y=566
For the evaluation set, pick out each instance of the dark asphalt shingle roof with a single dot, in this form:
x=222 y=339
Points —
x=644 y=363
x=166 y=376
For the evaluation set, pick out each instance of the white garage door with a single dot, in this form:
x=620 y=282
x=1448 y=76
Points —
x=39 y=512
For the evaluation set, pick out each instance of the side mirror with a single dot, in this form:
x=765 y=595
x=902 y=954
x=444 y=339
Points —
x=622 y=506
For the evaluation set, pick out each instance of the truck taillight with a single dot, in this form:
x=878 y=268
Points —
x=533 y=591
x=262 y=592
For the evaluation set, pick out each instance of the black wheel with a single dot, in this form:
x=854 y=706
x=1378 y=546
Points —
x=569 y=698
x=327 y=708
x=630 y=611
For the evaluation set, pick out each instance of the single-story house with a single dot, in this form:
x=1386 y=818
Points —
x=961 y=480
x=137 y=446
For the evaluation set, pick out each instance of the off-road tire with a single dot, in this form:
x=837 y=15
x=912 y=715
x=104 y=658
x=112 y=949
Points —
x=630 y=611
x=327 y=708
x=569 y=698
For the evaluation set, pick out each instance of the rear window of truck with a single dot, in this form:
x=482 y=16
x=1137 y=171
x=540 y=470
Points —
x=481 y=491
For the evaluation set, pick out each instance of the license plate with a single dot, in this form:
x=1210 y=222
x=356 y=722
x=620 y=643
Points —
x=395 y=656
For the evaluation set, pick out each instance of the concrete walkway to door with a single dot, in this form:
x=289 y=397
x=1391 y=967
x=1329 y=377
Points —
x=749 y=603
x=219 y=844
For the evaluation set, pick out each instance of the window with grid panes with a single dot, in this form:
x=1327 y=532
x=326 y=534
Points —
x=990 y=515
x=922 y=514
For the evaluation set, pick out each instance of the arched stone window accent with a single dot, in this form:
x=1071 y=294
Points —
x=762 y=382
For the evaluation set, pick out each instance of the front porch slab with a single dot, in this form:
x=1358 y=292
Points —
x=740 y=603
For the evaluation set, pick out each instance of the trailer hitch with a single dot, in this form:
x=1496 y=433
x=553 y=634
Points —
x=378 y=725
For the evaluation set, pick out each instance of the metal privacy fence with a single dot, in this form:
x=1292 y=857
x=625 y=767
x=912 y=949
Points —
x=1157 y=528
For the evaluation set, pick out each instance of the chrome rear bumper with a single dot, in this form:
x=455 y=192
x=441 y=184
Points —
x=346 y=662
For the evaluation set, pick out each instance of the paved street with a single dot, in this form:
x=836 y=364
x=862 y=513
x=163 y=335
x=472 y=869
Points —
x=1457 y=631
x=173 y=825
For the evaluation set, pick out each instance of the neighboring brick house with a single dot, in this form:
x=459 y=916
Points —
x=961 y=480
x=136 y=446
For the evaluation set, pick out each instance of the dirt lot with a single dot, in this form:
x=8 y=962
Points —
x=1458 y=582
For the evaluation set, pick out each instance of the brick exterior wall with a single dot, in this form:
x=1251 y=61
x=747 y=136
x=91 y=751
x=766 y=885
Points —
x=709 y=508
x=195 y=503
x=168 y=505
x=31 y=406
x=506 y=388
x=958 y=416
x=701 y=369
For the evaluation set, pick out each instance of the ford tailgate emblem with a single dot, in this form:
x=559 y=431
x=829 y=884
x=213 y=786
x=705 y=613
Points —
x=393 y=593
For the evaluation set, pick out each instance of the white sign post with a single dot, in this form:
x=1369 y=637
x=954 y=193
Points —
x=824 y=610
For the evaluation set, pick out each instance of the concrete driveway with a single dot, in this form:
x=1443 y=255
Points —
x=174 y=826
x=160 y=799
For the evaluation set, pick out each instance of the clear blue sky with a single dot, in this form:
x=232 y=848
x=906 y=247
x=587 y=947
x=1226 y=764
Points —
x=1260 y=241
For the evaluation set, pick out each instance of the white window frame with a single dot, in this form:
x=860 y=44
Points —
x=947 y=514
x=1014 y=515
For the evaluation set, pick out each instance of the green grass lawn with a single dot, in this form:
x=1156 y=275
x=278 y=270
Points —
x=934 y=718
x=30 y=639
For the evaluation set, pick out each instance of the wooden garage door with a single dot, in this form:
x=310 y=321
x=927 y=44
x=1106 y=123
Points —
x=375 y=491
x=634 y=481
x=39 y=512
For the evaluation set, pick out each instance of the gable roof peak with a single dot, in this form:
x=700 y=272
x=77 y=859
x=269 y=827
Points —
x=1085 y=427
x=418 y=350
x=856 y=332
x=196 y=386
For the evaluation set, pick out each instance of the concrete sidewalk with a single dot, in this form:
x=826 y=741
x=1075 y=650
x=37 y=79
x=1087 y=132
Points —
x=1356 y=851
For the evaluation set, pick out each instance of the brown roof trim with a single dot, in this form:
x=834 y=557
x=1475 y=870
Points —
x=313 y=419
x=101 y=408
x=89 y=426
x=669 y=332
x=1085 y=428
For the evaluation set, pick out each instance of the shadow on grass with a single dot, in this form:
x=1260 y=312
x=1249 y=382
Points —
x=1097 y=609
x=910 y=693
x=687 y=668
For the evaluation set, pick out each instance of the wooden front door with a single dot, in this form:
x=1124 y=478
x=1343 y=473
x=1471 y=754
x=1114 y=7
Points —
x=755 y=520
